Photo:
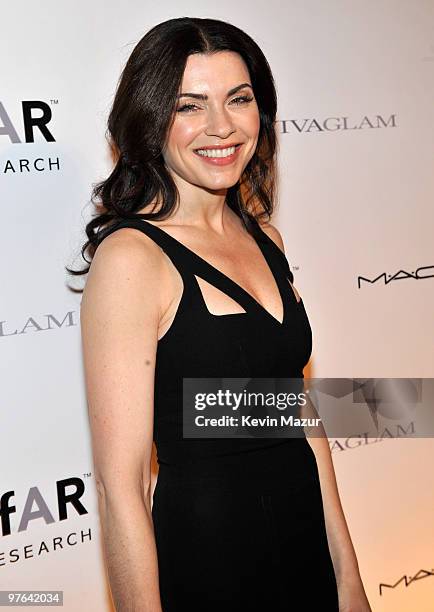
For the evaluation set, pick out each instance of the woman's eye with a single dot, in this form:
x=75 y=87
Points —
x=242 y=99
x=187 y=108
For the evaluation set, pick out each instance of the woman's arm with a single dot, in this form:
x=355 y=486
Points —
x=352 y=596
x=119 y=322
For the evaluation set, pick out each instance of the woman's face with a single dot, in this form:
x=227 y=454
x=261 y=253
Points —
x=221 y=114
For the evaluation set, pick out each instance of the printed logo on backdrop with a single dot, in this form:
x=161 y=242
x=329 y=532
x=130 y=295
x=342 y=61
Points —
x=335 y=124
x=23 y=512
x=406 y=581
x=33 y=127
x=366 y=438
x=46 y=322
x=419 y=274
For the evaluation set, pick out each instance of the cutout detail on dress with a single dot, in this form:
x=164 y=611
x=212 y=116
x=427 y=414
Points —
x=210 y=294
x=294 y=290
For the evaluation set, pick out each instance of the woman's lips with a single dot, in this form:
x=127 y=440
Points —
x=220 y=161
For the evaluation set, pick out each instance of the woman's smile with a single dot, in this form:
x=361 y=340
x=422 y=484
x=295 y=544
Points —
x=219 y=156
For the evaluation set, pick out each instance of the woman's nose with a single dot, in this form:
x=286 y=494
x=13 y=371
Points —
x=219 y=123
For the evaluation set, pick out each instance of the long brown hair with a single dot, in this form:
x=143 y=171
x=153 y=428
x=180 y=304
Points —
x=141 y=116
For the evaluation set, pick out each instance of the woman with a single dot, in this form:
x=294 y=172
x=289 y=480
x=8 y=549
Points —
x=187 y=280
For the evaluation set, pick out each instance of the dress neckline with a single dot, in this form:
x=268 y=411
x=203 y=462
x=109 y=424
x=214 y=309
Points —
x=233 y=285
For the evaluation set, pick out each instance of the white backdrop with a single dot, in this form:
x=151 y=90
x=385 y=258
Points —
x=356 y=119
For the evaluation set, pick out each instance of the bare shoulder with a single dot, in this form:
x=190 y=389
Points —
x=273 y=233
x=130 y=246
x=127 y=265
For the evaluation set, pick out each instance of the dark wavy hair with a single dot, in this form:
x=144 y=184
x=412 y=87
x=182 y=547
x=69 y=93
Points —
x=141 y=117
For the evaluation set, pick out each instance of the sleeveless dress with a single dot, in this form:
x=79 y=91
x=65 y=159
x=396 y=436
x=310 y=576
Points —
x=239 y=523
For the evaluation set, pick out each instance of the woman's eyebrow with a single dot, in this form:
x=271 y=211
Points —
x=198 y=96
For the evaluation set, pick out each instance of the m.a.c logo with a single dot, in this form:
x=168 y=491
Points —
x=30 y=123
x=407 y=580
x=419 y=274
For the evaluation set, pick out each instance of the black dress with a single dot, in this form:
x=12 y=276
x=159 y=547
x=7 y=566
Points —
x=239 y=523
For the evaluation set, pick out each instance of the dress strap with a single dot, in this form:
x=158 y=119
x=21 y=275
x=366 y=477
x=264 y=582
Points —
x=178 y=257
x=275 y=250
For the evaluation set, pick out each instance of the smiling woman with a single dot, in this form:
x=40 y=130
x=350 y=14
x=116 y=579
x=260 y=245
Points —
x=217 y=153
x=221 y=127
x=188 y=281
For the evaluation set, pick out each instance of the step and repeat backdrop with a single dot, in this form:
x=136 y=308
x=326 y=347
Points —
x=355 y=87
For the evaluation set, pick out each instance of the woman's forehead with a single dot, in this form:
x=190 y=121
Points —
x=201 y=70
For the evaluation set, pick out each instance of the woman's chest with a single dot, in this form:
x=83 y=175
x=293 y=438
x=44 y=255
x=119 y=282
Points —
x=236 y=345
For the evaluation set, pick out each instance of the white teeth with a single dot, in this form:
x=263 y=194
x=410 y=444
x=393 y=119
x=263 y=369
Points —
x=216 y=152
